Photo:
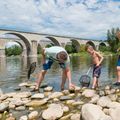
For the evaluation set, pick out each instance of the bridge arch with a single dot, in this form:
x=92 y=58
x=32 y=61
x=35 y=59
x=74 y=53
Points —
x=55 y=41
x=76 y=45
x=22 y=45
x=91 y=43
x=102 y=45
x=25 y=40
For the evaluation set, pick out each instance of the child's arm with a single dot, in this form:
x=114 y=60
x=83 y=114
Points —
x=101 y=58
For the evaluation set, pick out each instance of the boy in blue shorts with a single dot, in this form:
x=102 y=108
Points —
x=59 y=55
x=97 y=60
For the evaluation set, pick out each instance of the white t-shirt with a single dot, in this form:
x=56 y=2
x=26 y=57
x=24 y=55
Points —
x=53 y=51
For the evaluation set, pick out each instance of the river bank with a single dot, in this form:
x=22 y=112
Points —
x=81 y=104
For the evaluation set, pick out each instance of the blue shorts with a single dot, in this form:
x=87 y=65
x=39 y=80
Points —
x=118 y=62
x=48 y=63
x=96 y=71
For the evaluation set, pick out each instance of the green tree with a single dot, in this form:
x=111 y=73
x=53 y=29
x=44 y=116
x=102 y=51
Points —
x=113 y=40
x=13 y=50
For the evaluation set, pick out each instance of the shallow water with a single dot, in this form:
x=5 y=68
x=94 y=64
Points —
x=13 y=70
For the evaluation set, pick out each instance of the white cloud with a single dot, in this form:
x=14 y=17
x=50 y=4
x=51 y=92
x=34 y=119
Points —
x=78 y=18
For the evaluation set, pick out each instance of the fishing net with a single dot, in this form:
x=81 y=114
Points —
x=85 y=80
x=31 y=69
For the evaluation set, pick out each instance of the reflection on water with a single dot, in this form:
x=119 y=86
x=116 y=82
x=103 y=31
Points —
x=13 y=70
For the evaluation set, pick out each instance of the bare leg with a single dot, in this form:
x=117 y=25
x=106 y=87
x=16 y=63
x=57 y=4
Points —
x=95 y=82
x=118 y=74
x=40 y=78
x=64 y=77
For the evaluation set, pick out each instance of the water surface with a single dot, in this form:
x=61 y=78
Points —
x=13 y=70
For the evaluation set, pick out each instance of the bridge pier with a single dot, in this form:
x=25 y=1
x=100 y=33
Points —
x=97 y=47
x=2 y=64
x=2 y=52
x=34 y=48
x=24 y=53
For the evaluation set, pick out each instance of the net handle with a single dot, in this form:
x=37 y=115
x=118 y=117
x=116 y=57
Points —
x=88 y=71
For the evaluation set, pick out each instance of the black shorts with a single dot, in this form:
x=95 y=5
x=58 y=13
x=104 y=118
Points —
x=96 y=71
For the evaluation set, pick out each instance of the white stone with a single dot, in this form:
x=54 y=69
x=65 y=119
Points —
x=3 y=97
x=33 y=115
x=54 y=112
x=104 y=101
x=75 y=117
x=93 y=112
x=22 y=95
x=23 y=117
x=17 y=102
x=3 y=107
x=113 y=105
x=115 y=113
x=69 y=102
x=66 y=117
x=23 y=84
x=89 y=93
x=78 y=103
x=20 y=108
x=65 y=109
x=56 y=95
x=38 y=96
x=48 y=89
x=36 y=103
x=113 y=97
x=12 y=94
x=94 y=99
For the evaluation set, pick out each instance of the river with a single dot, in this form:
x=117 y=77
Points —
x=13 y=70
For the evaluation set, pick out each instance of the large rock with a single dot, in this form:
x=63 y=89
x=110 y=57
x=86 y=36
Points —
x=38 y=96
x=56 y=95
x=3 y=107
x=36 y=103
x=113 y=105
x=93 y=112
x=89 y=93
x=54 y=112
x=104 y=101
x=115 y=113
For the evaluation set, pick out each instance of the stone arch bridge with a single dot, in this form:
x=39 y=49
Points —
x=30 y=41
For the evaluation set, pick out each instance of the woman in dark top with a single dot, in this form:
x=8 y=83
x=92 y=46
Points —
x=118 y=70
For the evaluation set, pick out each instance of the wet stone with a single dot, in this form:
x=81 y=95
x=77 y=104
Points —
x=3 y=107
x=20 y=108
x=17 y=88
x=63 y=98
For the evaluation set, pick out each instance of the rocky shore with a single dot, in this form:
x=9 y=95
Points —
x=80 y=104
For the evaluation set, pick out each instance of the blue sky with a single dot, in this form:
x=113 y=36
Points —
x=77 y=18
